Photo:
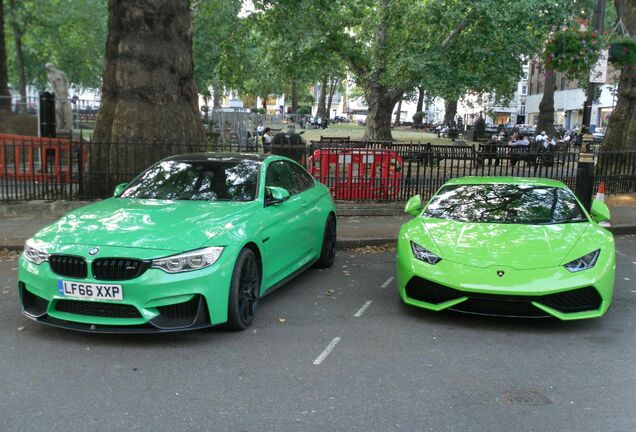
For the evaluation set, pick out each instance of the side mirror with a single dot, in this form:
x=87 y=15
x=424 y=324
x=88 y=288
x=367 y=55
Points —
x=599 y=212
x=275 y=195
x=119 y=189
x=413 y=205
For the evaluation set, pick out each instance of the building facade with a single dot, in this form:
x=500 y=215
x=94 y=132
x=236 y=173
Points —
x=569 y=98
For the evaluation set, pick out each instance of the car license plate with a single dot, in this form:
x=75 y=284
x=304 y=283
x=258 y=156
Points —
x=91 y=291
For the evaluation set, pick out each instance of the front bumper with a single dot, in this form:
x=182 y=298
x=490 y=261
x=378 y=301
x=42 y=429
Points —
x=153 y=302
x=535 y=293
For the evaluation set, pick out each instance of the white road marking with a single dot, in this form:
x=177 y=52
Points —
x=362 y=309
x=327 y=351
x=388 y=281
x=620 y=253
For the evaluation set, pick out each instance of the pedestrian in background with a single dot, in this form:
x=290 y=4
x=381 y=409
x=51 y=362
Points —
x=267 y=140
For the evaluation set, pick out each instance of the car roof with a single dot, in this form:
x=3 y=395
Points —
x=534 y=181
x=210 y=156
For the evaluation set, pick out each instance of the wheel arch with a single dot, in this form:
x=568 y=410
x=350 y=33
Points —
x=257 y=252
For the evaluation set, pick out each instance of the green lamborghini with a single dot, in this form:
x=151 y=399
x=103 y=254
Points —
x=506 y=246
x=193 y=241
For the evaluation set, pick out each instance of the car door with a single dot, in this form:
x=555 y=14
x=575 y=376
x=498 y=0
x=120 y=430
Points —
x=285 y=247
x=314 y=218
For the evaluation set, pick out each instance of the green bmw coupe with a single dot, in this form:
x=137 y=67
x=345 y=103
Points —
x=506 y=246
x=193 y=241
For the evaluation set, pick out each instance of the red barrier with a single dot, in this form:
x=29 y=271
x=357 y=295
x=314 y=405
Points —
x=357 y=173
x=38 y=159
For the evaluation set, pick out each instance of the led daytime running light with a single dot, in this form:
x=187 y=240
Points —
x=188 y=261
x=585 y=262
x=423 y=254
x=34 y=254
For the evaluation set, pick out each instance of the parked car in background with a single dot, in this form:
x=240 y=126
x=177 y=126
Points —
x=599 y=134
x=525 y=130
x=491 y=129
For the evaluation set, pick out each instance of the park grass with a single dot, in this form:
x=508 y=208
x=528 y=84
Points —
x=355 y=132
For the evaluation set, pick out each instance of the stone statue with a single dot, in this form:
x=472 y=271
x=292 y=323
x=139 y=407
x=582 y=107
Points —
x=60 y=84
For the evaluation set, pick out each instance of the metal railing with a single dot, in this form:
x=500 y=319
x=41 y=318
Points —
x=50 y=169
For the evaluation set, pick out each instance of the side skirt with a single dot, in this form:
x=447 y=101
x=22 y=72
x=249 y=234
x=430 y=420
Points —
x=288 y=278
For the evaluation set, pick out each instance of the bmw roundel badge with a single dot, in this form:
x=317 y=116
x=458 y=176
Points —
x=93 y=251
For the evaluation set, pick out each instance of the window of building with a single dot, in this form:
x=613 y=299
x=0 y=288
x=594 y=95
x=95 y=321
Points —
x=524 y=90
x=524 y=77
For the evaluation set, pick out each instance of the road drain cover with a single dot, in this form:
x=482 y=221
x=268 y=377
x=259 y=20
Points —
x=525 y=397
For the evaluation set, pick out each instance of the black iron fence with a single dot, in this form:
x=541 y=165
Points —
x=49 y=169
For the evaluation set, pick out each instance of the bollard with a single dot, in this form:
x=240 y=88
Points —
x=585 y=180
x=47 y=115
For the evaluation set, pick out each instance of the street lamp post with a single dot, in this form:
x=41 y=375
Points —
x=599 y=16
x=585 y=170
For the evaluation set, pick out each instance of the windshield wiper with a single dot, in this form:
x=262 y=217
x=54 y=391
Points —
x=562 y=221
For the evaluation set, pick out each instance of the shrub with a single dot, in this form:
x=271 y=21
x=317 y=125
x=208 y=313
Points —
x=304 y=110
x=418 y=117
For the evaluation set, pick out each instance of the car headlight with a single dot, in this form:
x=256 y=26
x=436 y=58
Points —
x=33 y=253
x=188 y=261
x=424 y=254
x=583 y=263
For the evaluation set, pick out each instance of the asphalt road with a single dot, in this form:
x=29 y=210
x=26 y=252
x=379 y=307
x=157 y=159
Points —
x=317 y=359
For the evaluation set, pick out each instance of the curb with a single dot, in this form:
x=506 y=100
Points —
x=622 y=229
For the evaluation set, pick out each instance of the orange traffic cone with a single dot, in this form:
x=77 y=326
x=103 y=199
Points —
x=601 y=192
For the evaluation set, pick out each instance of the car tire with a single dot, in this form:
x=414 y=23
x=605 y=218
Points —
x=328 y=249
x=244 y=291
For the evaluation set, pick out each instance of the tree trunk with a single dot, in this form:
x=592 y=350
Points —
x=381 y=102
x=621 y=130
x=216 y=89
x=264 y=103
x=546 y=107
x=294 y=97
x=19 y=54
x=333 y=82
x=5 y=96
x=398 y=113
x=148 y=95
x=451 y=110
x=420 y=104
x=322 y=98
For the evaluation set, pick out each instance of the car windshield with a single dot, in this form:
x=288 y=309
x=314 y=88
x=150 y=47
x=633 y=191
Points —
x=205 y=180
x=505 y=203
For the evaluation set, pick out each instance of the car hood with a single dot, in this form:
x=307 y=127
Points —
x=512 y=245
x=148 y=224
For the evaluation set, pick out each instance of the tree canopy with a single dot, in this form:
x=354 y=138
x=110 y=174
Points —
x=68 y=33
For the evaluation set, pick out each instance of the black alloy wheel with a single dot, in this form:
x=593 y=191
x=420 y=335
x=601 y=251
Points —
x=244 y=291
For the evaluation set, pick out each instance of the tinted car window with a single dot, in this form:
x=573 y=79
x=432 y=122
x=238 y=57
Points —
x=279 y=174
x=505 y=203
x=302 y=178
x=197 y=180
